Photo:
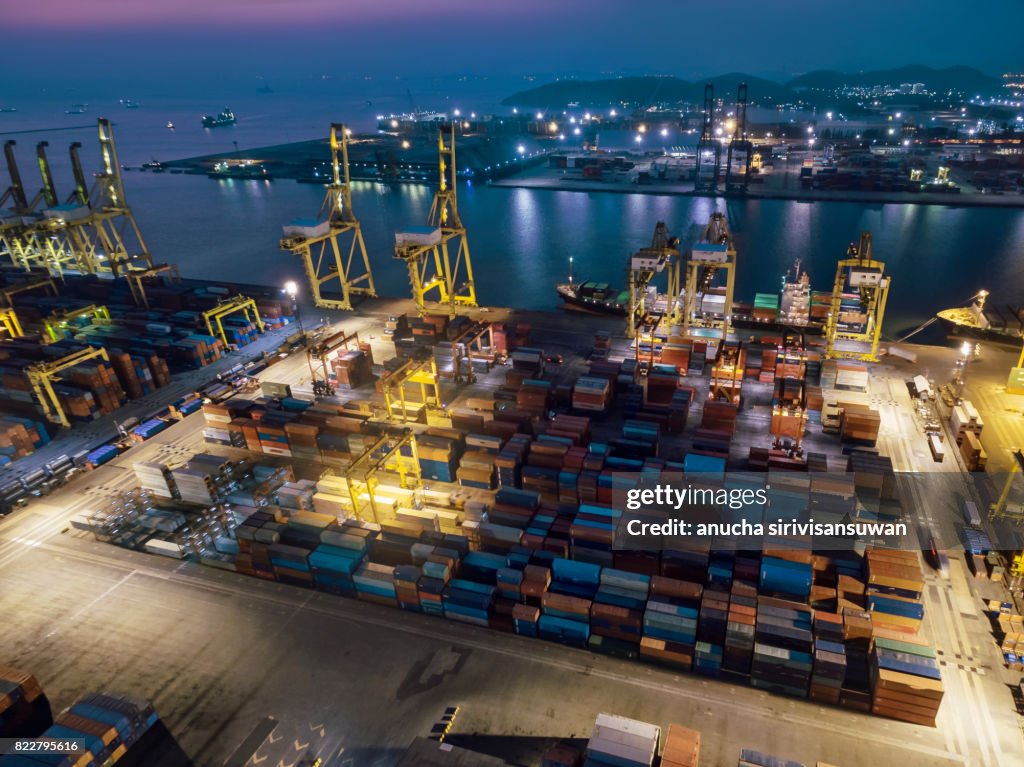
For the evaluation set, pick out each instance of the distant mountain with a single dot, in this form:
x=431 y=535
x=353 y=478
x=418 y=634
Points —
x=652 y=90
x=966 y=79
x=641 y=91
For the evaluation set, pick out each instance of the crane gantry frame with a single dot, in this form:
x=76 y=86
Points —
x=714 y=252
x=318 y=243
x=233 y=305
x=662 y=255
x=42 y=375
x=860 y=272
x=421 y=371
x=385 y=454
x=425 y=250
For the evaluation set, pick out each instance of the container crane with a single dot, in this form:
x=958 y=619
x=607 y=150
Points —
x=861 y=289
x=99 y=224
x=384 y=455
x=9 y=322
x=425 y=249
x=477 y=339
x=137 y=280
x=55 y=324
x=421 y=371
x=8 y=292
x=42 y=375
x=234 y=305
x=662 y=255
x=319 y=243
x=321 y=352
x=1002 y=508
x=712 y=254
x=738 y=177
x=709 y=148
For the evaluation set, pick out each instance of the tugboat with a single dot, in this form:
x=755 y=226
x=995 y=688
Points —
x=1005 y=324
x=226 y=117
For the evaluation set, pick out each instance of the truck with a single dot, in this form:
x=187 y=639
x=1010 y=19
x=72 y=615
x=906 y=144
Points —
x=972 y=517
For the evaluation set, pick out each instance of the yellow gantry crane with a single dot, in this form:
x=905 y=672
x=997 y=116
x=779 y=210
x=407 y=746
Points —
x=422 y=372
x=861 y=289
x=137 y=280
x=42 y=375
x=320 y=242
x=10 y=291
x=1002 y=509
x=321 y=352
x=477 y=339
x=661 y=256
x=234 y=305
x=9 y=321
x=385 y=454
x=55 y=324
x=425 y=249
x=95 y=231
x=712 y=254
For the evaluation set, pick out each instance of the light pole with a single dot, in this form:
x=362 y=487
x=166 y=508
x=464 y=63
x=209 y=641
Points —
x=965 y=354
x=292 y=289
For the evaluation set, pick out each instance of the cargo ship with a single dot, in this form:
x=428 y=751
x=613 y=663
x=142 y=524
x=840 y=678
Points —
x=991 y=323
x=226 y=117
x=799 y=307
x=595 y=297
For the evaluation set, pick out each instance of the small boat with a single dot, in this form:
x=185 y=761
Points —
x=8 y=109
x=129 y=104
x=170 y=125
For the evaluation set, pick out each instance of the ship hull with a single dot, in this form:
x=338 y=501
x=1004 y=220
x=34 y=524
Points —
x=592 y=306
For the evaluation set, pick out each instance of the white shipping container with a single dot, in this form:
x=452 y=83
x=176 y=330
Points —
x=164 y=548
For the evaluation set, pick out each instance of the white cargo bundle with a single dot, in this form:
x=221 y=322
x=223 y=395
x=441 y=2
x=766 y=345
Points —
x=710 y=252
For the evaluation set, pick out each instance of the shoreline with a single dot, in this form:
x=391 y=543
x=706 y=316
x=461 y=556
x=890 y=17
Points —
x=970 y=200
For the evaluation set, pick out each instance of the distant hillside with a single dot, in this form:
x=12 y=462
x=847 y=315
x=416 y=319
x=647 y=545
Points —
x=965 y=79
x=642 y=91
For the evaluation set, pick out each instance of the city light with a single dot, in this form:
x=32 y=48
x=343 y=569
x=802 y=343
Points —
x=664 y=131
x=405 y=144
x=291 y=288
x=613 y=113
x=553 y=126
x=576 y=131
x=521 y=149
x=457 y=113
x=810 y=129
x=642 y=128
x=828 y=115
x=540 y=115
x=394 y=123
x=638 y=138
x=586 y=115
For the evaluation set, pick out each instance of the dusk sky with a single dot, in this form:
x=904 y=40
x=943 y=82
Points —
x=192 y=39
